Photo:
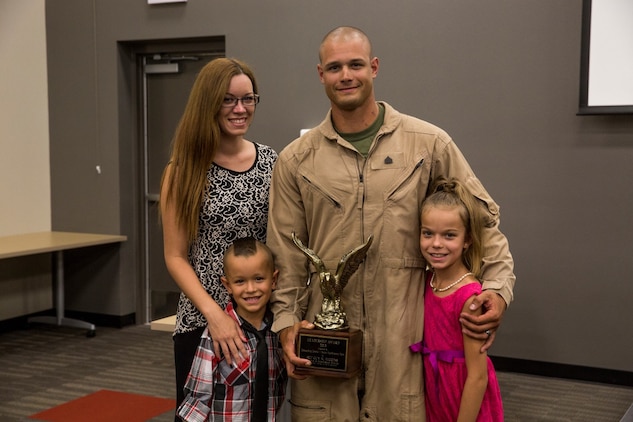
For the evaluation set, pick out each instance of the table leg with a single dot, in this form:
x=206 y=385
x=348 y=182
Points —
x=59 y=318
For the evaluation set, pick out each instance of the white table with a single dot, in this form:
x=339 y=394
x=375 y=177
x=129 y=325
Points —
x=55 y=243
x=164 y=324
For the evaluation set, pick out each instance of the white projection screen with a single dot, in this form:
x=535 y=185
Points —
x=606 y=77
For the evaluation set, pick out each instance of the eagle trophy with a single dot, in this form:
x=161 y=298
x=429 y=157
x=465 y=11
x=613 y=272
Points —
x=332 y=316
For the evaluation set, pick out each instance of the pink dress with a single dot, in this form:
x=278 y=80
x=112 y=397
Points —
x=444 y=364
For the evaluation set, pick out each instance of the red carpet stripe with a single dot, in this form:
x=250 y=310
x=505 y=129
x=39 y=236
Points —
x=107 y=406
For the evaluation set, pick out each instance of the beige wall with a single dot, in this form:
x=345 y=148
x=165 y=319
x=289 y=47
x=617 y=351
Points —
x=24 y=161
x=24 y=157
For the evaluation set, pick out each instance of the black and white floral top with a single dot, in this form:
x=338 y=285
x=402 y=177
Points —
x=235 y=205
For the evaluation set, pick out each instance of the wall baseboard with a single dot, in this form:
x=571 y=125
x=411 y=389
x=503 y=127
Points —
x=100 y=320
x=103 y=320
x=521 y=366
x=559 y=370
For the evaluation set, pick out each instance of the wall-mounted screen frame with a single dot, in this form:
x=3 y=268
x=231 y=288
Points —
x=606 y=69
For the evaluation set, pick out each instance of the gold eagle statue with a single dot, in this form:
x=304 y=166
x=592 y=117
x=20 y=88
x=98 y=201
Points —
x=332 y=316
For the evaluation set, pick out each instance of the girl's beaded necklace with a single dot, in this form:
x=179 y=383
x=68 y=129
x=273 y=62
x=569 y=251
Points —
x=443 y=289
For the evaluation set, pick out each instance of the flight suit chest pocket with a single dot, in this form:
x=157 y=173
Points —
x=387 y=161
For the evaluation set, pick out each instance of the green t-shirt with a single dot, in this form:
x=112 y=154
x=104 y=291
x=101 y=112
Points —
x=362 y=140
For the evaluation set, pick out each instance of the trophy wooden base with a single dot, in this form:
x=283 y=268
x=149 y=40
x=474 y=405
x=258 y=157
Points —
x=335 y=354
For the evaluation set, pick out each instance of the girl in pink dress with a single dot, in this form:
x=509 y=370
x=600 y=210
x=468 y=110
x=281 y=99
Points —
x=460 y=381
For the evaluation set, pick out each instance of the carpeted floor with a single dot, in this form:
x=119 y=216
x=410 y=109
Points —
x=107 y=406
x=44 y=366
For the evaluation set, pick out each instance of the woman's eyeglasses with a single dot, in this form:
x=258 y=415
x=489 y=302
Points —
x=247 y=101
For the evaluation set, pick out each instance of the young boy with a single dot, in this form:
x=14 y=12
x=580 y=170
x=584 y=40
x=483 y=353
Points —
x=254 y=390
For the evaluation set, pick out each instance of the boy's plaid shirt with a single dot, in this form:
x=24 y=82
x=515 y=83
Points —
x=217 y=391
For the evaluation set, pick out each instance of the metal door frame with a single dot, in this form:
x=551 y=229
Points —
x=165 y=63
x=134 y=54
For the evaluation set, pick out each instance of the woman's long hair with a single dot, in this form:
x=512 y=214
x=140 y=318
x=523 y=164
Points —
x=452 y=194
x=197 y=138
